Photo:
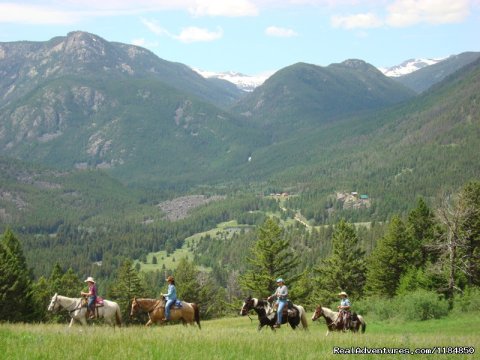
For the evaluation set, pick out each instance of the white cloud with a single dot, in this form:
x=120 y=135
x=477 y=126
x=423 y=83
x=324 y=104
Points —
x=280 y=32
x=410 y=12
x=357 y=21
x=31 y=14
x=195 y=34
x=229 y=8
x=154 y=27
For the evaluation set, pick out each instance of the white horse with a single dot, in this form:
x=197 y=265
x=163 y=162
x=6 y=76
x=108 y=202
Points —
x=110 y=310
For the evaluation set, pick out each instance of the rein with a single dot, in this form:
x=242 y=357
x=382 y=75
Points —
x=155 y=306
x=76 y=306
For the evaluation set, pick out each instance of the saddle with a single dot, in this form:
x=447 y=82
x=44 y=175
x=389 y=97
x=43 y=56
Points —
x=177 y=304
x=289 y=311
x=99 y=302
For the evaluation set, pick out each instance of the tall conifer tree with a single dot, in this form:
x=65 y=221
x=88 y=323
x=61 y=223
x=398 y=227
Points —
x=270 y=257
x=344 y=269
x=16 y=300
x=389 y=260
x=469 y=203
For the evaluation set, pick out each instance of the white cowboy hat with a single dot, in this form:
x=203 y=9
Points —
x=90 y=279
x=343 y=293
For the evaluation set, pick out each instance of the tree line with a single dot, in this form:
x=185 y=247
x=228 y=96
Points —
x=431 y=252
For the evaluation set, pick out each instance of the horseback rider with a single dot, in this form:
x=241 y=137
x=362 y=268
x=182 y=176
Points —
x=170 y=296
x=92 y=297
x=344 y=310
x=281 y=295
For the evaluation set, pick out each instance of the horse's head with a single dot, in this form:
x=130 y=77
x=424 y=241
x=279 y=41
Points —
x=318 y=312
x=54 y=305
x=248 y=305
x=134 y=308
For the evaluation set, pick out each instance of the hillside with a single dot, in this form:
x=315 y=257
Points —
x=25 y=66
x=80 y=102
x=43 y=198
x=304 y=96
x=418 y=148
x=428 y=76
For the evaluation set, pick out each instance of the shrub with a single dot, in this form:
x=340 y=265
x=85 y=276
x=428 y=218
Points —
x=376 y=307
x=417 y=305
x=422 y=305
x=469 y=301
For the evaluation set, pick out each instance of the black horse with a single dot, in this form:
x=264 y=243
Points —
x=266 y=317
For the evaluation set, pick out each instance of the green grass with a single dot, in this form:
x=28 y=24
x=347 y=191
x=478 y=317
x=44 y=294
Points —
x=232 y=338
x=225 y=229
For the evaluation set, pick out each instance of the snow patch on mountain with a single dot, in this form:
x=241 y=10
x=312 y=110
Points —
x=244 y=82
x=409 y=66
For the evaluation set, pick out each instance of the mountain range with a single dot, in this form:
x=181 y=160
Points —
x=79 y=102
x=403 y=72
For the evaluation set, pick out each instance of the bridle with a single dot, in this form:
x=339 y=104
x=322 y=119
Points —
x=318 y=313
x=248 y=305
x=56 y=306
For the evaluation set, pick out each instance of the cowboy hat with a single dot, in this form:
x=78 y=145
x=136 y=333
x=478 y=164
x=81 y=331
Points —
x=280 y=280
x=170 y=278
x=343 y=293
x=90 y=279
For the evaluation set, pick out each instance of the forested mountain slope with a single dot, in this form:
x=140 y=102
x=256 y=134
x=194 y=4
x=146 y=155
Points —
x=428 y=76
x=302 y=96
x=419 y=148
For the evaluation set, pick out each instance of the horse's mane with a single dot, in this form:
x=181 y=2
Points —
x=329 y=312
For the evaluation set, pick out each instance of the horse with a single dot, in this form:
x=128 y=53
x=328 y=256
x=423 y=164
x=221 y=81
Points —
x=331 y=316
x=267 y=317
x=188 y=313
x=110 y=311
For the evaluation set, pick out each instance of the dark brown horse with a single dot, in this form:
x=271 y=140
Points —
x=331 y=317
x=267 y=317
x=188 y=313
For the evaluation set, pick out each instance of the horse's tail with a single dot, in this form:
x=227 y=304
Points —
x=118 y=316
x=303 y=317
x=364 y=324
x=196 y=312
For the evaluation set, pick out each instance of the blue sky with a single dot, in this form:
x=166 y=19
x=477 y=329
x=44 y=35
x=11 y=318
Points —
x=258 y=36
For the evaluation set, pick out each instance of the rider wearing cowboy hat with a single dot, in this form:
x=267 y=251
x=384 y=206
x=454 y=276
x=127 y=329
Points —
x=170 y=296
x=92 y=297
x=344 y=310
x=281 y=294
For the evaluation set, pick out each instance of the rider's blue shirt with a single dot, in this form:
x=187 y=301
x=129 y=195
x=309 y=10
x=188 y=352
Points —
x=172 y=292
x=345 y=302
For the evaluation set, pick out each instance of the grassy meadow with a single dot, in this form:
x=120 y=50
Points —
x=233 y=338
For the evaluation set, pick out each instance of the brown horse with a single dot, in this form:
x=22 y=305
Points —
x=331 y=316
x=188 y=313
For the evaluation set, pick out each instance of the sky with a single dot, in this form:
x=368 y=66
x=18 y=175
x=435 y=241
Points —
x=258 y=36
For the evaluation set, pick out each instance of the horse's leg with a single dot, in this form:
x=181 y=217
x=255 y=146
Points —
x=71 y=322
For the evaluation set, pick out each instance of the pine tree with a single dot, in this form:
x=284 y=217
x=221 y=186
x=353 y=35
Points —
x=345 y=268
x=389 y=260
x=127 y=286
x=270 y=257
x=421 y=225
x=16 y=297
x=469 y=203
x=186 y=281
